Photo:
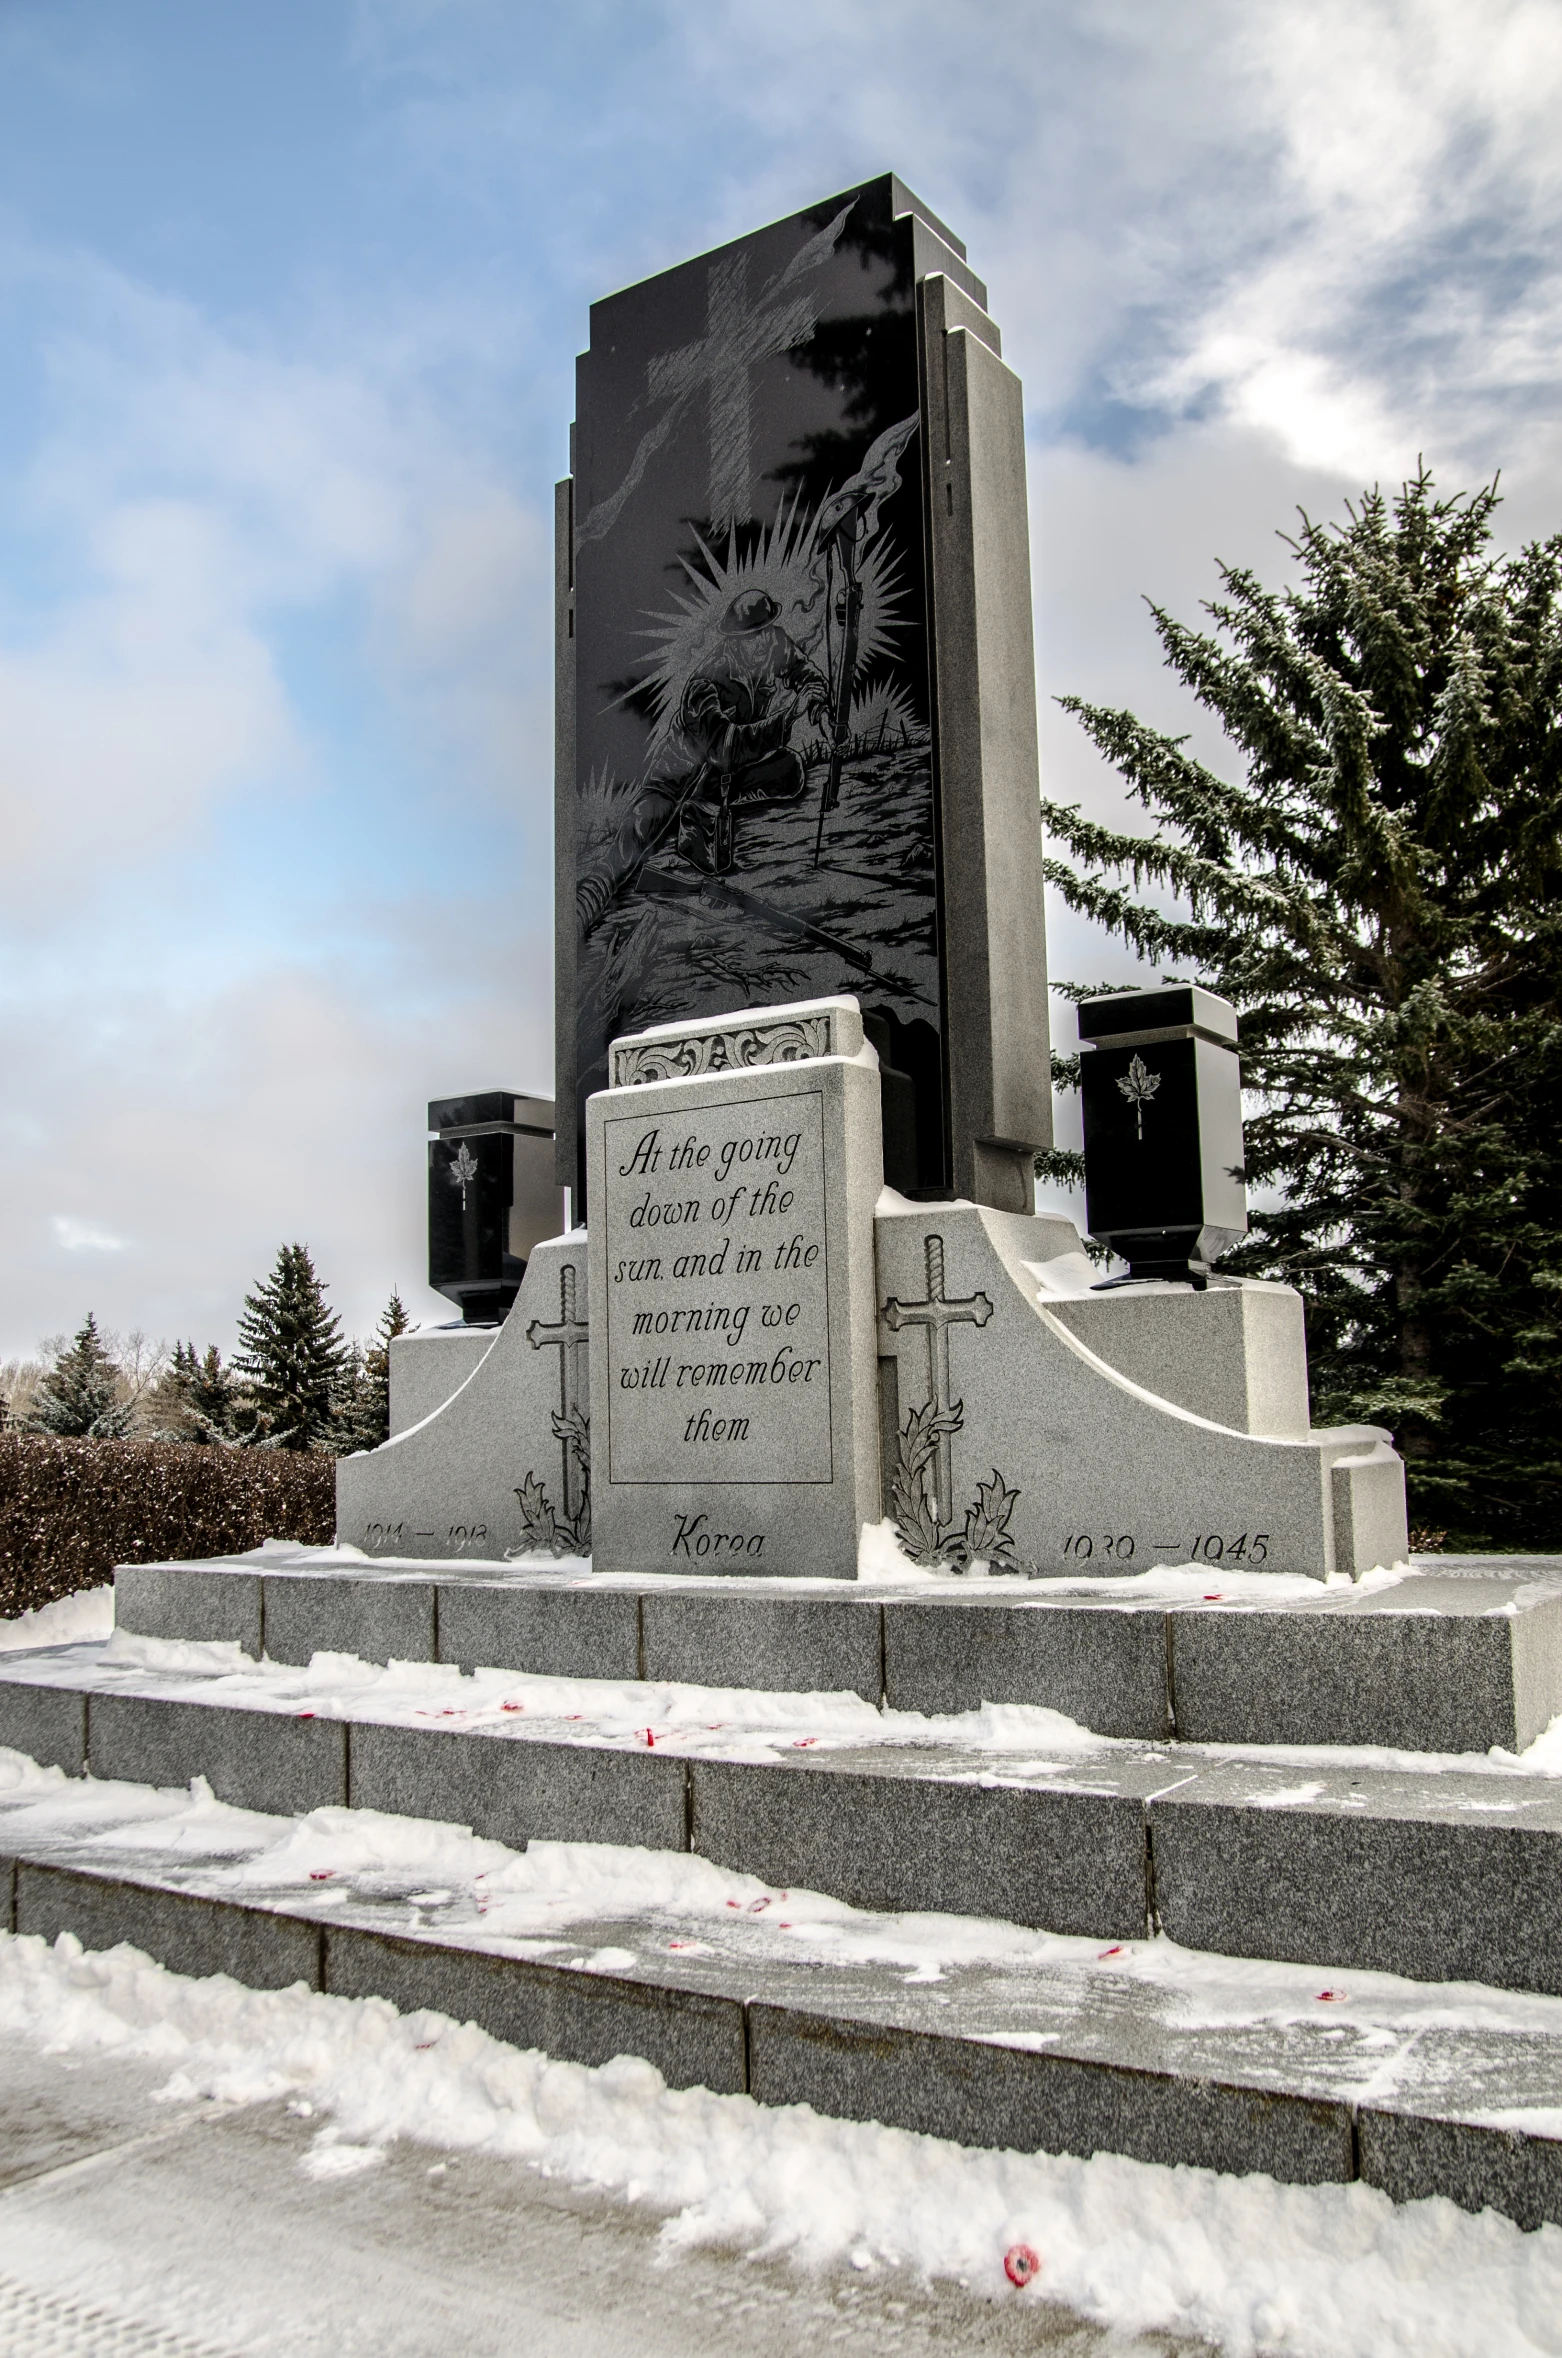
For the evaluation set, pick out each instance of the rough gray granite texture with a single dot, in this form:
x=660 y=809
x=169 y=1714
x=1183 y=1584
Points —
x=1072 y=1861
x=187 y=1932
x=267 y=1760
x=519 y=1790
x=553 y=1631
x=1453 y=1878
x=994 y=2095
x=49 y=1724
x=1412 y=2155
x=1460 y=1656
x=1098 y=1663
x=1448 y=1661
x=384 y=1619
x=217 y=1604
x=693 y=2038
x=796 y=1645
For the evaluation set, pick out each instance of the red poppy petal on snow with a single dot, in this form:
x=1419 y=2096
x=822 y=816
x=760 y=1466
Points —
x=1021 y=2263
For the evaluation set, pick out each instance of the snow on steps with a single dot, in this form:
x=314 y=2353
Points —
x=1446 y=1870
x=1450 y=1655
x=978 y=2031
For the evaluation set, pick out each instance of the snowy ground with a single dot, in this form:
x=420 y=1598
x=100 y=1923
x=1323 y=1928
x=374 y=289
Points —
x=188 y=2227
x=294 y=2171
x=1247 y=2265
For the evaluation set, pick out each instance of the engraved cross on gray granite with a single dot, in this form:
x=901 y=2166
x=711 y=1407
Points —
x=938 y=1314
x=567 y=1337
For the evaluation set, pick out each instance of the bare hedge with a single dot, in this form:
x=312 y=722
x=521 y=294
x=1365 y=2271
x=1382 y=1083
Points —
x=71 y=1510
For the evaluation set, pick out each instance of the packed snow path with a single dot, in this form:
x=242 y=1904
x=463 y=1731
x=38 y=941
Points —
x=291 y=2172
x=191 y=2228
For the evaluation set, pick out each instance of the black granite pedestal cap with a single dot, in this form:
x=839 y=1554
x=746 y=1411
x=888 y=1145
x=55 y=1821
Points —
x=492 y=1195
x=1165 y=1184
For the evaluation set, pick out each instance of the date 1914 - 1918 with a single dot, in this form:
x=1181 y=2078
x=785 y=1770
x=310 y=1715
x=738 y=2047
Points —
x=1209 y=1547
x=456 y=1535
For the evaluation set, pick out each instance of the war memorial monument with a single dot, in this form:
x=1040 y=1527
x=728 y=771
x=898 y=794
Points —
x=789 y=1491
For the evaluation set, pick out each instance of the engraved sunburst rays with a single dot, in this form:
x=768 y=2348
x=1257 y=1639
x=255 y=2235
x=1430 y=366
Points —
x=784 y=561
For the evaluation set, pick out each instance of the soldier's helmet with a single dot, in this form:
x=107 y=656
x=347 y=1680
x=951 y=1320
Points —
x=753 y=609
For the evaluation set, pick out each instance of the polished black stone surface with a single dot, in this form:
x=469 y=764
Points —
x=754 y=816
x=471 y=1186
x=1161 y=1092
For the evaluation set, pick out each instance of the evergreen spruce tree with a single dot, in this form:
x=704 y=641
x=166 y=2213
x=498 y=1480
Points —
x=195 y=1398
x=1378 y=893
x=290 y=1357
x=365 y=1421
x=371 y=1408
x=82 y=1397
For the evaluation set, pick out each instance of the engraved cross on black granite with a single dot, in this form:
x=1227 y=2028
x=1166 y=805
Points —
x=938 y=1314
x=568 y=1338
x=736 y=338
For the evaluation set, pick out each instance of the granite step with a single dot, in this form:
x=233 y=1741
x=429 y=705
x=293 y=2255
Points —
x=994 y=2036
x=1439 y=1872
x=1463 y=1655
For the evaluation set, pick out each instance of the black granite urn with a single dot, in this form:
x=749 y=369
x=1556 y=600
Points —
x=492 y=1196
x=1165 y=1185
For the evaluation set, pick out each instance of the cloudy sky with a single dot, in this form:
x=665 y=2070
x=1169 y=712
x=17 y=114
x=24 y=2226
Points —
x=291 y=298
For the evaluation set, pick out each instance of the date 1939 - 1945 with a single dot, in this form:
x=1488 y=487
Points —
x=1209 y=1547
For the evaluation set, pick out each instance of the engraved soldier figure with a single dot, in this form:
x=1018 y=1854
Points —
x=727 y=751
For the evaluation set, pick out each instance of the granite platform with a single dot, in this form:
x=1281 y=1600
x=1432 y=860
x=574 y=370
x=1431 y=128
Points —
x=1459 y=1655
x=1403 y=1864
x=993 y=2037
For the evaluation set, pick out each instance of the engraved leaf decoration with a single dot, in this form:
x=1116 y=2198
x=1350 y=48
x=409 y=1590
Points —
x=537 y=1519
x=1139 y=1085
x=987 y=1522
x=463 y=1168
x=573 y=1427
x=912 y=1503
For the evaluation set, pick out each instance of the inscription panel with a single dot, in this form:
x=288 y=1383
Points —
x=717 y=1344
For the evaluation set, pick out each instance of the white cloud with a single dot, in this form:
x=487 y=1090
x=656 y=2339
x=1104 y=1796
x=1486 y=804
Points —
x=80 y=1236
x=206 y=1130
x=201 y=496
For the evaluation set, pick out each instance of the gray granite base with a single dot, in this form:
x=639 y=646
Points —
x=1458 y=1658
x=694 y=2038
x=1451 y=1875
x=521 y=1791
x=1039 y=2059
x=1446 y=1878
x=991 y=2095
x=1073 y=1862
x=1412 y=2156
x=186 y=1931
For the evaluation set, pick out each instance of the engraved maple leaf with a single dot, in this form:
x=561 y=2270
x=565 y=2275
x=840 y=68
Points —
x=1139 y=1085
x=463 y=1168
